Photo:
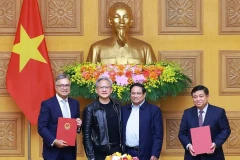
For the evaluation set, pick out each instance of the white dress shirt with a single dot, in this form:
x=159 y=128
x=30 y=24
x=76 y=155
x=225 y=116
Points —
x=132 y=128
x=61 y=105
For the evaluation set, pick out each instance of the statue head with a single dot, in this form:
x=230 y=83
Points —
x=120 y=18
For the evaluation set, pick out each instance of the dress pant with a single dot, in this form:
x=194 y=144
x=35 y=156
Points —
x=133 y=151
x=101 y=155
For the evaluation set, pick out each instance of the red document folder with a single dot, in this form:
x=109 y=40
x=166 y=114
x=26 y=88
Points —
x=201 y=139
x=67 y=130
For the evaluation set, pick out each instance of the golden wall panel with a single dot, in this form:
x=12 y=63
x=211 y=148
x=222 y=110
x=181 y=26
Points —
x=232 y=146
x=62 y=17
x=12 y=134
x=105 y=29
x=180 y=17
x=171 y=144
x=229 y=17
x=9 y=15
x=190 y=61
x=61 y=59
x=229 y=72
x=4 y=60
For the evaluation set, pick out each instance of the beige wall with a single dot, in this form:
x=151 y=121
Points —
x=210 y=42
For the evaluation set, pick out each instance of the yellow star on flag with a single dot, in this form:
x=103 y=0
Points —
x=28 y=48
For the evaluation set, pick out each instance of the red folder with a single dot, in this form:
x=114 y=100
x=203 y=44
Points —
x=201 y=139
x=67 y=130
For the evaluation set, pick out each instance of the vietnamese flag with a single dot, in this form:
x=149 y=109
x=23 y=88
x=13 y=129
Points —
x=29 y=77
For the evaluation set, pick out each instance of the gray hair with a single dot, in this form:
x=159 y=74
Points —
x=62 y=76
x=103 y=78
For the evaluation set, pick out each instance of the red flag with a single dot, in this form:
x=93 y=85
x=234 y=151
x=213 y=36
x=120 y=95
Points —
x=29 y=76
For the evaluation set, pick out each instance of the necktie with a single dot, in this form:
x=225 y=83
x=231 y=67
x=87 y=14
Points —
x=65 y=109
x=200 y=118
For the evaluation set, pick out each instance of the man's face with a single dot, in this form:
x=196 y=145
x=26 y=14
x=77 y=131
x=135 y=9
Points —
x=104 y=89
x=200 y=99
x=62 y=88
x=137 y=96
x=120 y=20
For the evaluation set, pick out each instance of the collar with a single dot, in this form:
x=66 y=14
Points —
x=138 y=105
x=204 y=109
x=60 y=99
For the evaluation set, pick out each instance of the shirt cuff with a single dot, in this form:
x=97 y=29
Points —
x=187 y=146
x=53 y=142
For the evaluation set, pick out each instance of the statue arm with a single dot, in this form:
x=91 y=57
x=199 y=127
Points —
x=150 y=56
x=92 y=55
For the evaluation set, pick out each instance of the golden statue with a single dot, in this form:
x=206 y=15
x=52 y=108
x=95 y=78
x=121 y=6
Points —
x=120 y=48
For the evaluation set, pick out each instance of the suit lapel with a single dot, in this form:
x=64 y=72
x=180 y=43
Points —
x=56 y=106
x=208 y=115
x=70 y=102
x=195 y=116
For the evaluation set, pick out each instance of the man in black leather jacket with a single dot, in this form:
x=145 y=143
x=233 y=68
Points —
x=102 y=123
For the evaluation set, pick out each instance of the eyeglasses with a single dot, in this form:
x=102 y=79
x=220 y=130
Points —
x=136 y=93
x=63 y=85
x=104 y=87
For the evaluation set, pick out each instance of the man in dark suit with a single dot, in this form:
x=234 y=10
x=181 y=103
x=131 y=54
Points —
x=203 y=114
x=142 y=126
x=58 y=106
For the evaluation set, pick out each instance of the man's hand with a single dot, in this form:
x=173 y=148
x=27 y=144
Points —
x=213 y=147
x=153 y=158
x=79 y=122
x=60 y=143
x=191 y=150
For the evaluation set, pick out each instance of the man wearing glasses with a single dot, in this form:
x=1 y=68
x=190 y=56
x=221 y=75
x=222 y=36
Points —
x=102 y=123
x=142 y=126
x=58 y=106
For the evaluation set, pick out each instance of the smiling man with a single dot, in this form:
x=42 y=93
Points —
x=204 y=114
x=57 y=106
x=120 y=48
x=142 y=126
x=102 y=123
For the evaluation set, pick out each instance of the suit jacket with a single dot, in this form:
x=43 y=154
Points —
x=217 y=120
x=150 y=129
x=47 y=125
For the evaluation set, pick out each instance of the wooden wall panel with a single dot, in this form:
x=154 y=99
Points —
x=180 y=17
x=229 y=17
x=4 y=60
x=229 y=72
x=190 y=61
x=62 y=17
x=11 y=134
x=9 y=15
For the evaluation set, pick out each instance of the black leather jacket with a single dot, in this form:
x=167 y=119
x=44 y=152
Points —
x=95 y=131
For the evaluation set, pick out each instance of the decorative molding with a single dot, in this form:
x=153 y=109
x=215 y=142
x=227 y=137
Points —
x=229 y=17
x=62 y=17
x=171 y=144
x=180 y=17
x=61 y=59
x=229 y=72
x=190 y=61
x=12 y=134
x=9 y=15
x=4 y=60
x=232 y=145
x=136 y=6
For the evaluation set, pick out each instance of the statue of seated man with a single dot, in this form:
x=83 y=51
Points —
x=120 y=48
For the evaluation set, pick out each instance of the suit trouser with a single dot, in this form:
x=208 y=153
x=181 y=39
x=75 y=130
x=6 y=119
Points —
x=101 y=155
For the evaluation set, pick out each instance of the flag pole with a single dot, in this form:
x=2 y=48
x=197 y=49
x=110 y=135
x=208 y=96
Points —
x=29 y=140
